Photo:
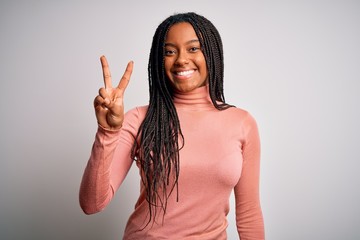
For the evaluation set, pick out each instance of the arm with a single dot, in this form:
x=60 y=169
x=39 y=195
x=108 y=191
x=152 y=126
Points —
x=110 y=157
x=108 y=165
x=249 y=217
x=95 y=189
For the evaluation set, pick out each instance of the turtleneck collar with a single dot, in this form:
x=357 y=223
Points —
x=198 y=99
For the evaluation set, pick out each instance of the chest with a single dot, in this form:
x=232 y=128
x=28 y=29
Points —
x=212 y=149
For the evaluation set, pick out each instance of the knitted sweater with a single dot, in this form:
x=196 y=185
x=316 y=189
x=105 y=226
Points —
x=221 y=154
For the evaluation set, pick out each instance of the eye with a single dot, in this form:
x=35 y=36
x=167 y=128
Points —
x=169 y=52
x=194 y=49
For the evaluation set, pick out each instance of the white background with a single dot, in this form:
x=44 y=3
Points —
x=293 y=64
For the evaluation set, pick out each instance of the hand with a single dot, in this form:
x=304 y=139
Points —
x=109 y=105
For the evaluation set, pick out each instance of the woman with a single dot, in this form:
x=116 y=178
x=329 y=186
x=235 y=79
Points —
x=191 y=147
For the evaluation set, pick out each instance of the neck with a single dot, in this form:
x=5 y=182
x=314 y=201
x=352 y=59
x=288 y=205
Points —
x=197 y=99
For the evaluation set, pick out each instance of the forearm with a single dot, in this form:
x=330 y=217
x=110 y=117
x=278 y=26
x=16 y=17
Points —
x=96 y=190
x=250 y=224
x=249 y=217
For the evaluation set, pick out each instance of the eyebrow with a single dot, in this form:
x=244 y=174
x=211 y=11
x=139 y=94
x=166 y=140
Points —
x=188 y=42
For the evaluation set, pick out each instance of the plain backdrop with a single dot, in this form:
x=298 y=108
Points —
x=293 y=64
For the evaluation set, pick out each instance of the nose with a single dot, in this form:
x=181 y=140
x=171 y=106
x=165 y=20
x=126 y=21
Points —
x=182 y=58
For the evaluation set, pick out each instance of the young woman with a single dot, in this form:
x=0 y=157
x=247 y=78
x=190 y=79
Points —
x=191 y=147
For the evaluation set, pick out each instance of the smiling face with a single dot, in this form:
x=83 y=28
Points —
x=185 y=64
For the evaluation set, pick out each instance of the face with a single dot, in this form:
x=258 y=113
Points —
x=185 y=64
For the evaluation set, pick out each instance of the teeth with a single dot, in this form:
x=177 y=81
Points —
x=184 y=73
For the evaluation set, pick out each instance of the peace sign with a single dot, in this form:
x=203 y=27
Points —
x=109 y=104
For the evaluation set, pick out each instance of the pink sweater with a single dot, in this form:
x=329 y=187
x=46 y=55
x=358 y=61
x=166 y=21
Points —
x=221 y=154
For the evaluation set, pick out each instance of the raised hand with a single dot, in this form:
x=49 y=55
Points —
x=109 y=104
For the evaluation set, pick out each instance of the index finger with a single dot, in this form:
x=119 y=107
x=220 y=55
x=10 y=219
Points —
x=106 y=72
x=126 y=77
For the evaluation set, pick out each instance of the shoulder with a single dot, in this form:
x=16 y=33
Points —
x=137 y=112
x=135 y=116
x=241 y=120
x=240 y=114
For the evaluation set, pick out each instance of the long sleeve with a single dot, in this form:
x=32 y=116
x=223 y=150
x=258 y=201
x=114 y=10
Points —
x=108 y=165
x=249 y=217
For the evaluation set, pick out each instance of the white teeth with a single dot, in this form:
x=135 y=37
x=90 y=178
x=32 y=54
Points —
x=184 y=73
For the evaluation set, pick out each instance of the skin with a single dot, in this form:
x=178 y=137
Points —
x=185 y=64
x=109 y=104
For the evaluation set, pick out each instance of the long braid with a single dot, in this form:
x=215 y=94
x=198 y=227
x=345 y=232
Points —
x=157 y=147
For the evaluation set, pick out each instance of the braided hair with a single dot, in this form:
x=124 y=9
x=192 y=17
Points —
x=159 y=137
